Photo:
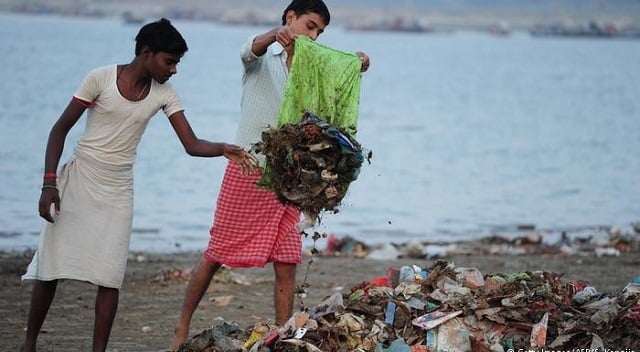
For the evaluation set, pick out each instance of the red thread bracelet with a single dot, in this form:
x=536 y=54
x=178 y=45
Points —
x=50 y=175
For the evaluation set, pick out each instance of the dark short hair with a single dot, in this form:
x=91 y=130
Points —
x=300 y=7
x=159 y=36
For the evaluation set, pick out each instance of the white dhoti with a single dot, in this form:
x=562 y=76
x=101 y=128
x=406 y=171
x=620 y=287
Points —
x=89 y=240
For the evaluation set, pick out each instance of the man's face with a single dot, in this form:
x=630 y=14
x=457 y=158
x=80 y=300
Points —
x=163 y=65
x=308 y=24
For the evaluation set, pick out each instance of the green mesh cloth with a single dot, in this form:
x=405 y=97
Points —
x=323 y=81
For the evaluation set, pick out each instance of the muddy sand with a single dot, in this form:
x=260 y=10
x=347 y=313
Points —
x=154 y=285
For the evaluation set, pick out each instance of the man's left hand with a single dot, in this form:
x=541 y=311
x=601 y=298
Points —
x=364 y=59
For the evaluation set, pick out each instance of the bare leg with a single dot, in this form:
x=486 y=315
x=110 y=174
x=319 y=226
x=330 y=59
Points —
x=105 y=310
x=42 y=295
x=283 y=291
x=198 y=284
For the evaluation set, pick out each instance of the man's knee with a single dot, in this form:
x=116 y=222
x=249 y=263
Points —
x=285 y=271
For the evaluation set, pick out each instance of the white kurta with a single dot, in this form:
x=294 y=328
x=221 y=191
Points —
x=89 y=240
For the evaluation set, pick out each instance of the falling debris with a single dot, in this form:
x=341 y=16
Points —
x=310 y=164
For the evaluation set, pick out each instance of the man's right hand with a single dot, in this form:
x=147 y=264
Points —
x=286 y=37
x=49 y=196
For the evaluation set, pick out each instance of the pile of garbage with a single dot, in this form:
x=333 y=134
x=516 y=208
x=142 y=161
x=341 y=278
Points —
x=310 y=164
x=448 y=308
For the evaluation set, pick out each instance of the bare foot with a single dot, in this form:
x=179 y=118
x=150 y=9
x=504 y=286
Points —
x=179 y=336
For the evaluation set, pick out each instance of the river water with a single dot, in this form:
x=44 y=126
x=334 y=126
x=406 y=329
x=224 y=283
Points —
x=471 y=134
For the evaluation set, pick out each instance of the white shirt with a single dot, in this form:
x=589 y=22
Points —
x=263 y=84
x=115 y=124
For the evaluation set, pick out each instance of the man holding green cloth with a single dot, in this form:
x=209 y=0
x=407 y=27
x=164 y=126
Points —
x=251 y=227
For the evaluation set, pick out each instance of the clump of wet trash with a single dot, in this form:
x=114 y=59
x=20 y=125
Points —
x=310 y=164
x=444 y=307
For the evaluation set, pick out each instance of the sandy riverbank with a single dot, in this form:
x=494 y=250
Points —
x=154 y=285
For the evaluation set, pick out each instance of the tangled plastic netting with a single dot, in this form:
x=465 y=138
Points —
x=310 y=164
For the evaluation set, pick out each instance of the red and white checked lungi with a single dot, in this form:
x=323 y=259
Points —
x=251 y=227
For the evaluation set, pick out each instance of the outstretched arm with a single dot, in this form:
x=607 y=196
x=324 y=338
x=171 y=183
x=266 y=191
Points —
x=55 y=146
x=200 y=147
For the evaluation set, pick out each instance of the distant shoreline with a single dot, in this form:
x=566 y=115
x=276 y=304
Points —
x=499 y=21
